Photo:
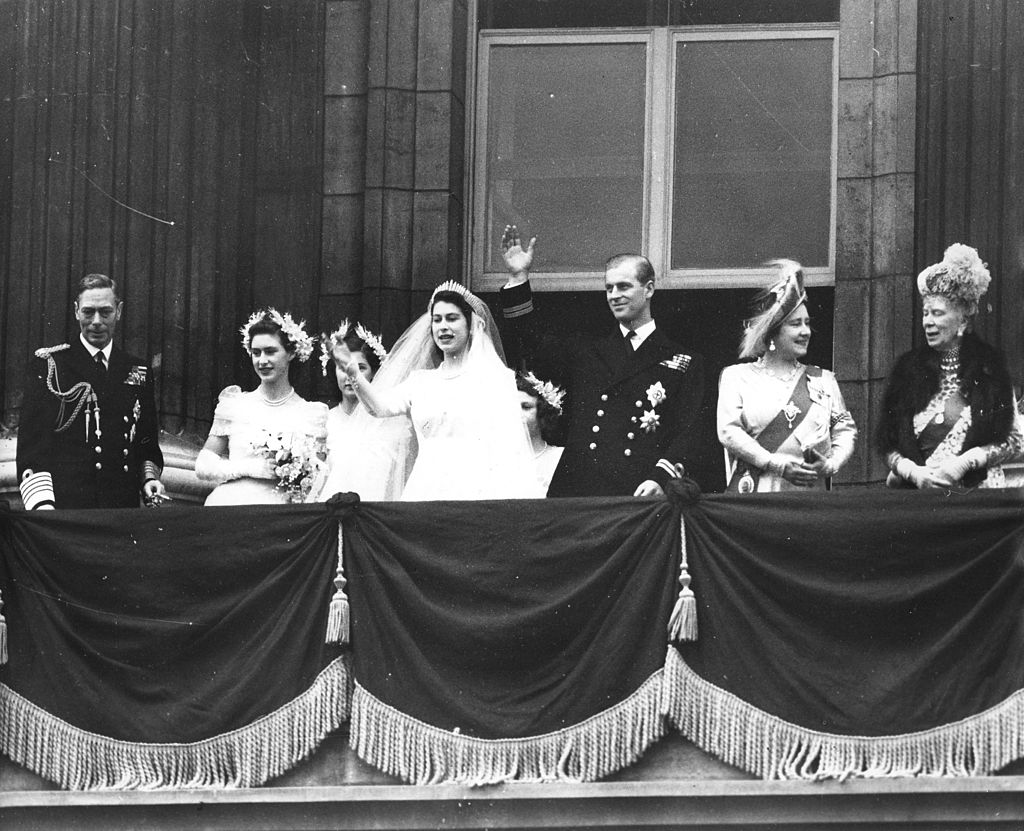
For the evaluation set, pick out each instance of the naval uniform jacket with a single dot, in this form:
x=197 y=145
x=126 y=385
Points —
x=89 y=467
x=616 y=437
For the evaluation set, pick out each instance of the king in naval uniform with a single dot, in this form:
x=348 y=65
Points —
x=88 y=434
x=634 y=397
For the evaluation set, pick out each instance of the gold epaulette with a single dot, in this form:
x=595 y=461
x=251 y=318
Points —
x=47 y=351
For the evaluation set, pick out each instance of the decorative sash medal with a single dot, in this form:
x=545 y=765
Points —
x=791 y=411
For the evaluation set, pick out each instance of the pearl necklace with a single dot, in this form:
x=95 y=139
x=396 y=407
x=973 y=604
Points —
x=277 y=402
x=762 y=364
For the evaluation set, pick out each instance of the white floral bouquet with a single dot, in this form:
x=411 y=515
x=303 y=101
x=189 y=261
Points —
x=297 y=462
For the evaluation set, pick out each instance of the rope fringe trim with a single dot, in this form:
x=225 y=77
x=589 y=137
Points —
x=764 y=745
x=80 y=760
x=422 y=754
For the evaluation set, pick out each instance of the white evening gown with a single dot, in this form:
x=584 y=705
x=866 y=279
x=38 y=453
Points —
x=246 y=419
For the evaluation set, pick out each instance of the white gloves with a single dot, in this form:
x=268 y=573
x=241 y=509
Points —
x=213 y=468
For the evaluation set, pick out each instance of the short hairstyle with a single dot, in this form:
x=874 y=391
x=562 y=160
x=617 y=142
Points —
x=266 y=325
x=547 y=416
x=642 y=268
x=456 y=299
x=95 y=281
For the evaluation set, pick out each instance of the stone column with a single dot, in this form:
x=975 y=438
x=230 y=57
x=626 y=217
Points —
x=394 y=87
x=875 y=209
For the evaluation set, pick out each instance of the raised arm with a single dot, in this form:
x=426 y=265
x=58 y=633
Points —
x=377 y=403
x=518 y=260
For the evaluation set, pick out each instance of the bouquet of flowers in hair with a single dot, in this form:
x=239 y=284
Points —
x=297 y=462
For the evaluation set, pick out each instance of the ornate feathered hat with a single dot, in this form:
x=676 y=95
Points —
x=778 y=302
x=961 y=277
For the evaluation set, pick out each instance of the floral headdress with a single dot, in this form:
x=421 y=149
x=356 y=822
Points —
x=545 y=389
x=788 y=293
x=329 y=342
x=961 y=276
x=372 y=341
x=295 y=332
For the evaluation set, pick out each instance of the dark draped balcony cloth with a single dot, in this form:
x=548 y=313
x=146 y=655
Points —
x=874 y=633
x=178 y=647
x=501 y=641
x=843 y=634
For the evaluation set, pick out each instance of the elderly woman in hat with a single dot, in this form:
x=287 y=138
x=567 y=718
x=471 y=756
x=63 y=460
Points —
x=949 y=416
x=783 y=424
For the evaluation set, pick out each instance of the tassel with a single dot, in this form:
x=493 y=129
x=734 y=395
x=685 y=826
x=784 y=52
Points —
x=338 y=618
x=682 y=625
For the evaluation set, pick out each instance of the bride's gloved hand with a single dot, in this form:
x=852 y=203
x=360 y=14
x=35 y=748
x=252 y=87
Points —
x=343 y=360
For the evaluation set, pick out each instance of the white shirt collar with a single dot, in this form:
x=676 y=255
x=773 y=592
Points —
x=642 y=333
x=92 y=350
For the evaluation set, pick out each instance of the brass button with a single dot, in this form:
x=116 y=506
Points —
x=126 y=449
x=627 y=452
x=126 y=468
x=600 y=413
x=596 y=429
x=593 y=446
x=639 y=403
x=98 y=449
x=604 y=397
x=99 y=465
x=629 y=436
x=633 y=419
x=126 y=419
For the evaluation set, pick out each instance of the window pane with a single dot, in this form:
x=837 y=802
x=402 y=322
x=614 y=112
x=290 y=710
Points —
x=753 y=147
x=565 y=150
x=700 y=12
x=545 y=14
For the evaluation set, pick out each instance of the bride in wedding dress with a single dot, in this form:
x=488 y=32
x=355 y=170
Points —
x=442 y=416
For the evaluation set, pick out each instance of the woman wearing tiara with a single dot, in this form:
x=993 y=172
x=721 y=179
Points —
x=782 y=423
x=445 y=379
x=265 y=446
x=949 y=417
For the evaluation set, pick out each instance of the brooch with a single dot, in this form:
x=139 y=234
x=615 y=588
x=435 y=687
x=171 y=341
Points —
x=791 y=411
x=656 y=394
x=649 y=421
x=136 y=376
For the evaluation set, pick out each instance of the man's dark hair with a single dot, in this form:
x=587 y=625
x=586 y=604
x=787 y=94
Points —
x=642 y=268
x=96 y=281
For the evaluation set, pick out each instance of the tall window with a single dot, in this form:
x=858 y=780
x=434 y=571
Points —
x=712 y=150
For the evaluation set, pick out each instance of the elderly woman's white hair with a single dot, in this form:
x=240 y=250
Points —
x=961 y=277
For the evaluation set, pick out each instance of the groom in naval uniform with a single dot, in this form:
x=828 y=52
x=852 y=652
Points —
x=88 y=435
x=634 y=397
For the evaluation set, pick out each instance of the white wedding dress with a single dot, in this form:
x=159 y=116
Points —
x=247 y=420
x=441 y=432
x=463 y=451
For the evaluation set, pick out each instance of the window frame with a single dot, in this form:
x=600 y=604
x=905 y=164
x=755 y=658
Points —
x=658 y=172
